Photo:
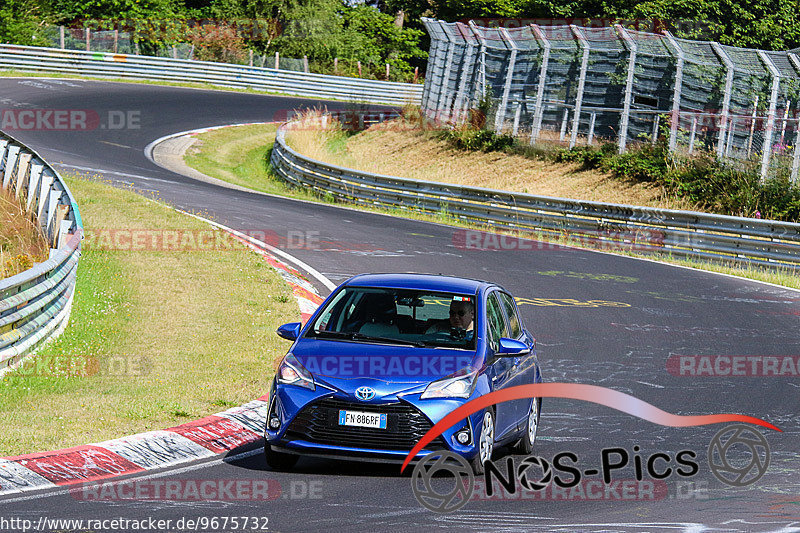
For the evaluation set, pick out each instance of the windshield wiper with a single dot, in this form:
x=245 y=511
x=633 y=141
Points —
x=338 y=334
x=356 y=336
x=390 y=340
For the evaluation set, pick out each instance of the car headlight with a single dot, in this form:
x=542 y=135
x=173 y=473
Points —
x=459 y=386
x=291 y=372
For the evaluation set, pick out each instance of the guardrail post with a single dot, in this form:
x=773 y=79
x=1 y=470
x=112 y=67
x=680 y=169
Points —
x=442 y=109
x=752 y=127
x=785 y=119
x=19 y=180
x=538 y=113
x=517 y=113
x=581 y=83
x=766 y=148
x=676 y=92
x=11 y=163
x=626 y=102
x=731 y=128
x=461 y=103
x=655 y=129
x=482 y=41
x=305 y=64
x=33 y=186
x=726 y=99
x=500 y=117
x=431 y=80
x=796 y=156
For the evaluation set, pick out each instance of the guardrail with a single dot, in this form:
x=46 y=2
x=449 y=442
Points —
x=98 y=64
x=35 y=304
x=684 y=234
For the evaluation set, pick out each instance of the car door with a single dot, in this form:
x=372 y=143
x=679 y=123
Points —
x=525 y=367
x=501 y=369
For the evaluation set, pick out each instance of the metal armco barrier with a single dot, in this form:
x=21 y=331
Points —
x=98 y=64
x=685 y=234
x=35 y=304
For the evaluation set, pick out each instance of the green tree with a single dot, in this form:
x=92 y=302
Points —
x=21 y=22
x=379 y=39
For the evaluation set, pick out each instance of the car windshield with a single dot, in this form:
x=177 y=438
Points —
x=398 y=316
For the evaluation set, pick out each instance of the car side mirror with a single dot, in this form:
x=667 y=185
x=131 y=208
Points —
x=290 y=331
x=512 y=347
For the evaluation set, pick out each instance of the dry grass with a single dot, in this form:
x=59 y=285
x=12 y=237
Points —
x=21 y=242
x=396 y=149
x=175 y=335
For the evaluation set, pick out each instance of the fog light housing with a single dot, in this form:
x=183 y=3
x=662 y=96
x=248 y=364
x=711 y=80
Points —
x=274 y=422
x=463 y=436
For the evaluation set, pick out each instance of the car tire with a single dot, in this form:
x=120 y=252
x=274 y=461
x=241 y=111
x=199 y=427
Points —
x=485 y=441
x=278 y=460
x=528 y=439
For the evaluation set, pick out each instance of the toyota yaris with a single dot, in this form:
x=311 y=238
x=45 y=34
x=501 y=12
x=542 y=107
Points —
x=386 y=356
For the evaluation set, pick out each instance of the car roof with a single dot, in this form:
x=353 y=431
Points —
x=432 y=282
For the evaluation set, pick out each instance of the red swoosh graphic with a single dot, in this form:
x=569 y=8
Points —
x=576 y=391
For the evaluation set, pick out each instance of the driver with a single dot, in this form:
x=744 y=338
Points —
x=462 y=314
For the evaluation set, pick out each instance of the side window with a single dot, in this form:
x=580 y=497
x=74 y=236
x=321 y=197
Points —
x=496 y=322
x=514 y=323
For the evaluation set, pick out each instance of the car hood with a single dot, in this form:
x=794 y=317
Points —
x=343 y=363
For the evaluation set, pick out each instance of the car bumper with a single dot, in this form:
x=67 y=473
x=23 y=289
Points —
x=300 y=433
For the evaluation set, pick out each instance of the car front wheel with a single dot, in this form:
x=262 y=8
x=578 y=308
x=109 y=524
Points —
x=528 y=439
x=485 y=442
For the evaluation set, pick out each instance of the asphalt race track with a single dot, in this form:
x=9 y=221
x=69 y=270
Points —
x=599 y=319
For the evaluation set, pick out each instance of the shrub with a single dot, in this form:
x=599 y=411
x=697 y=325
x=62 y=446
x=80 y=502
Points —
x=473 y=140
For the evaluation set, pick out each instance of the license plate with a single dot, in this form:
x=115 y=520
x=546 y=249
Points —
x=362 y=419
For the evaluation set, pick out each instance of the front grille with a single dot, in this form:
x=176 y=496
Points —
x=405 y=426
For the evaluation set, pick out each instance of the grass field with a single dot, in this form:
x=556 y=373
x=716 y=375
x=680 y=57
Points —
x=156 y=337
x=238 y=159
x=21 y=242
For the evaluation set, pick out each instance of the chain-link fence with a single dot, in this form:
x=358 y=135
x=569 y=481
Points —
x=585 y=86
x=122 y=42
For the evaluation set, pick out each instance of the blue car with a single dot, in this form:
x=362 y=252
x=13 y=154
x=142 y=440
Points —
x=386 y=356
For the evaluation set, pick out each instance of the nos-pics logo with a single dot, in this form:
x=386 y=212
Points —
x=443 y=481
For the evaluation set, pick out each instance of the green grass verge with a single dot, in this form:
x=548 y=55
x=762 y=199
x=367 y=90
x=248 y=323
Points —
x=217 y=157
x=156 y=338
